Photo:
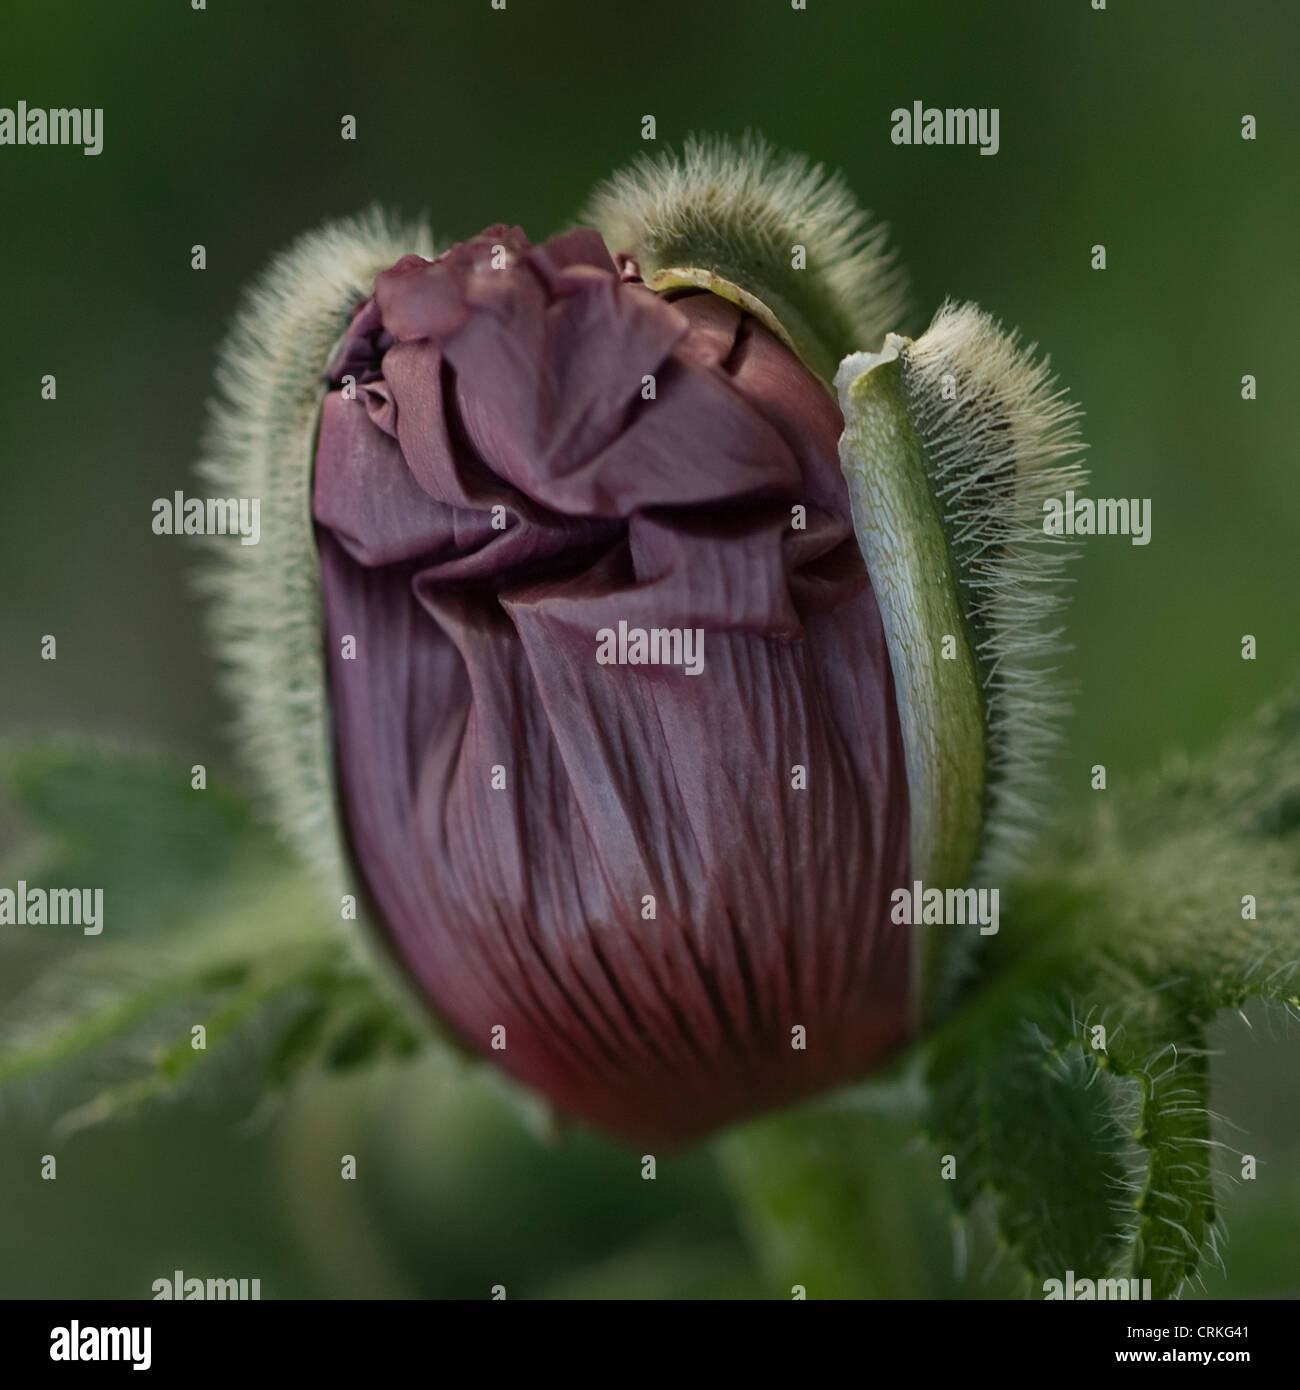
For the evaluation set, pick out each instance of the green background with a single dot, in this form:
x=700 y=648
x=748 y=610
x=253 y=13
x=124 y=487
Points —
x=222 y=128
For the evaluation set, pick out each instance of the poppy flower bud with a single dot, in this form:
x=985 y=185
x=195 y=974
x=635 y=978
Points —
x=567 y=654
x=617 y=748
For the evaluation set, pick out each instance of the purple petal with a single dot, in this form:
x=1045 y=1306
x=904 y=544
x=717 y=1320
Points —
x=522 y=906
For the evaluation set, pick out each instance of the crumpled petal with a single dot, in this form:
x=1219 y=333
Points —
x=615 y=864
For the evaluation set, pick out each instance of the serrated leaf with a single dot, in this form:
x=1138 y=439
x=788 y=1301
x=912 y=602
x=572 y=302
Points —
x=1179 y=899
x=1029 y=1126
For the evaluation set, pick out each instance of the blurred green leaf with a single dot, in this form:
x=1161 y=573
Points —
x=249 y=955
x=128 y=823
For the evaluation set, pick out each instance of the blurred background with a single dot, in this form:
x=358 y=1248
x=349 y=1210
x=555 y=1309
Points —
x=222 y=127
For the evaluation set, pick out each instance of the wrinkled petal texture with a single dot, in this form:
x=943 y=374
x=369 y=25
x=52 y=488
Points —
x=619 y=865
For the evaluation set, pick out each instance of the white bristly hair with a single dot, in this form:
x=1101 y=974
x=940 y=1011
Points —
x=1008 y=442
x=743 y=200
x=260 y=443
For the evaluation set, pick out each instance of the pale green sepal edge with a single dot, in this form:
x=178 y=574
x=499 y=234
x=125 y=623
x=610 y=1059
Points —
x=940 y=705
